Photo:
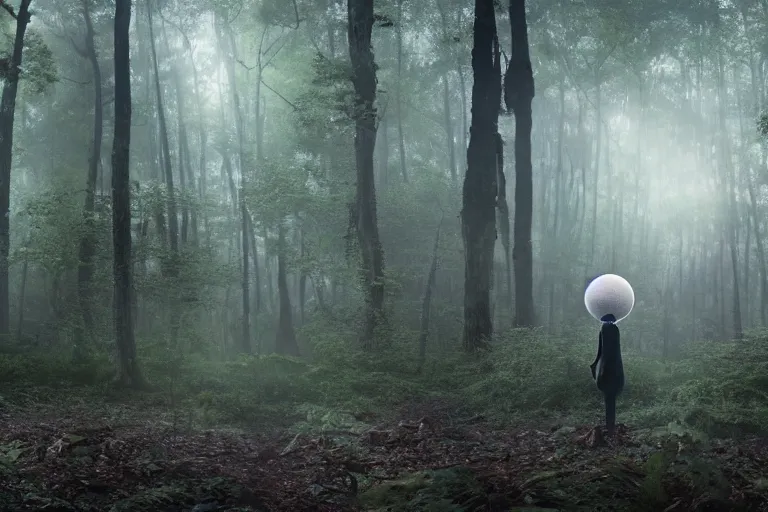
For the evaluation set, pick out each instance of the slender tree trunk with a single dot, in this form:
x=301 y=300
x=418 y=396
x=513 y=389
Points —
x=398 y=91
x=173 y=220
x=729 y=182
x=448 y=119
x=759 y=243
x=449 y=131
x=228 y=48
x=128 y=367
x=384 y=152
x=503 y=213
x=302 y=278
x=285 y=342
x=22 y=295
x=427 y=302
x=89 y=240
x=553 y=238
x=463 y=92
x=268 y=275
x=518 y=95
x=183 y=156
x=255 y=260
x=203 y=141
x=360 y=26
x=7 y=111
x=598 y=156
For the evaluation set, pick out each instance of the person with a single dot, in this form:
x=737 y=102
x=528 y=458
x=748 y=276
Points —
x=608 y=368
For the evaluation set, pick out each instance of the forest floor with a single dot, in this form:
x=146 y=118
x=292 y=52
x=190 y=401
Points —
x=420 y=459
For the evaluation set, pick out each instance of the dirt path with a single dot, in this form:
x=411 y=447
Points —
x=80 y=465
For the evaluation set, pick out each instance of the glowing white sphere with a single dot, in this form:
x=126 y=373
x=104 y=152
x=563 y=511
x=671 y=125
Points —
x=609 y=294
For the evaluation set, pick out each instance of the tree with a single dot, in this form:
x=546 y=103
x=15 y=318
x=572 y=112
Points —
x=226 y=42
x=478 y=214
x=360 y=27
x=7 y=113
x=518 y=96
x=89 y=240
x=128 y=367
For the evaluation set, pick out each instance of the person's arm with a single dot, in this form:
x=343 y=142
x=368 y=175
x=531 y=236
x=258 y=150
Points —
x=599 y=353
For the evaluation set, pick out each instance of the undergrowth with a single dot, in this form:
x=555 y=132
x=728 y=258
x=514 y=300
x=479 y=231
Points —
x=715 y=387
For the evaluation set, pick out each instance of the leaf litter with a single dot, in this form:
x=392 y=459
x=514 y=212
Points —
x=433 y=463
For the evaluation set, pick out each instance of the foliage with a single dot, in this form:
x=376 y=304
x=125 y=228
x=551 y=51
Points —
x=717 y=389
x=40 y=68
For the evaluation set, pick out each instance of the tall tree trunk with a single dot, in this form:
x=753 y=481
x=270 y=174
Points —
x=759 y=243
x=449 y=130
x=398 y=90
x=255 y=260
x=302 y=278
x=203 y=141
x=89 y=240
x=427 y=301
x=360 y=27
x=173 y=219
x=518 y=95
x=128 y=367
x=285 y=342
x=228 y=48
x=462 y=91
x=553 y=238
x=729 y=182
x=503 y=213
x=478 y=215
x=448 y=119
x=22 y=293
x=384 y=152
x=171 y=266
x=598 y=156
x=7 y=111
x=182 y=155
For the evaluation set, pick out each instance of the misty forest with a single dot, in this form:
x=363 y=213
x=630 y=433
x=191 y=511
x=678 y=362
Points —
x=331 y=255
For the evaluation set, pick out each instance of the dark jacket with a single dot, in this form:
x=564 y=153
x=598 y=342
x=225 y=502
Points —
x=608 y=369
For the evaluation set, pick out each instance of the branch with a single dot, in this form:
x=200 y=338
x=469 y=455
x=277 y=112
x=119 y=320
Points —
x=9 y=9
x=187 y=42
x=271 y=45
x=74 y=81
x=249 y=68
x=296 y=11
x=264 y=66
x=280 y=95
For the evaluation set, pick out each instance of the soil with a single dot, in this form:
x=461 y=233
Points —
x=428 y=463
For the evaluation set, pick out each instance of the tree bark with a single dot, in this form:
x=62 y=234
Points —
x=398 y=91
x=729 y=202
x=89 y=240
x=285 y=342
x=448 y=119
x=478 y=214
x=7 y=112
x=128 y=367
x=173 y=219
x=449 y=131
x=22 y=293
x=518 y=95
x=228 y=48
x=360 y=27
x=426 y=302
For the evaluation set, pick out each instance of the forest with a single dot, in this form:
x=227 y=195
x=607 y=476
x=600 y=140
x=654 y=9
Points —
x=331 y=255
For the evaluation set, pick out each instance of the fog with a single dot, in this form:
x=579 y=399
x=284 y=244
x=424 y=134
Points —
x=261 y=237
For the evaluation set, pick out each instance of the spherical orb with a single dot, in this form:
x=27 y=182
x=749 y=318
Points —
x=609 y=294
